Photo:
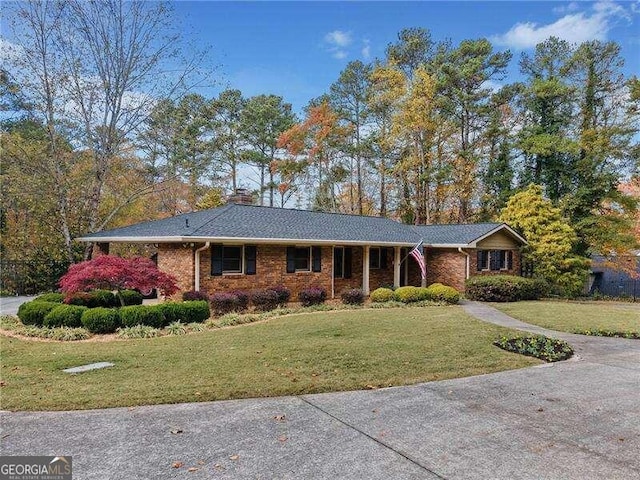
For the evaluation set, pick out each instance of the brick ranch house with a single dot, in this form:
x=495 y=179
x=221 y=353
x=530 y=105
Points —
x=243 y=247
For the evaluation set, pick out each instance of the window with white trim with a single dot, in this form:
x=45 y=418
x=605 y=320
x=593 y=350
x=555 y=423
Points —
x=232 y=258
x=302 y=258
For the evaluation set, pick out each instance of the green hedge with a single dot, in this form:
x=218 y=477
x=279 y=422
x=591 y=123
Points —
x=101 y=320
x=65 y=316
x=150 y=315
x=504 y=288
x=131 y=297
x=94 y=299
x=382 y=295
x=196 y=311
x=50 y=297
x=33 y=313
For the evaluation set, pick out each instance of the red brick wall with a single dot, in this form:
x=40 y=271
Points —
x=271 y=270
x=177 y=260
x=444 y=265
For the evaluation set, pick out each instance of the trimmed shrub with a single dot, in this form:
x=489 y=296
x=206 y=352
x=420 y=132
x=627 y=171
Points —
x=503 y=288
x=196 y=311
x=284 y=294
x=382 y=295
x=50 y=297
x=101 y=320
x=265 y=300
x=93 y=299
x=442 y=293
x=64 y=316
x=539 y=346
x=33 y=313
x=242 y=300
x=150 y=315
x=131 y=297
x=352 y=296
x=193 y=295
x=224 y=302
x=408 y=294
x=312 y=296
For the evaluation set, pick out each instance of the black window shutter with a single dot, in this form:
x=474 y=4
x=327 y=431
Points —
x=291 y=259
x=510 y=260
x=316 y=257
x=216 y=260
x=480 y=262
x=383 y=258
x=250 y=259
x=348 y=255
x=495 y=260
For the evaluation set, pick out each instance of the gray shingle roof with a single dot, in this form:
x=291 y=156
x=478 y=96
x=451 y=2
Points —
x=249 y=221
x=455 y=234
x=254 y=222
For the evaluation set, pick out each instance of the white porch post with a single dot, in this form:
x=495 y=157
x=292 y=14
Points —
x=365 y=269
x=333 y=281
x=396 y=266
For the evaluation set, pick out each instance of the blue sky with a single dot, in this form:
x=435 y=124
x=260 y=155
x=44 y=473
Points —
x=297 y=49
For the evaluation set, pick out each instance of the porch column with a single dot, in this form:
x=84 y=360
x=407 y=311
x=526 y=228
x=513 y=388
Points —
x=396 y=266
x=365 y=269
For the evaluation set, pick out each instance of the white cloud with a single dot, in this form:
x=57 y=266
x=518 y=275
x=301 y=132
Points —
x=366 y=49
x=575 y=28
x=339 y=54
x=338 y=38
x=571 y=7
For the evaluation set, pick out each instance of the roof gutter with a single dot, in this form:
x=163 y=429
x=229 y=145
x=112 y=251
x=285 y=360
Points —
x=196 y=282
x=247 y=240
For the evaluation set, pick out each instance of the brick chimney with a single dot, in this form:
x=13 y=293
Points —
x=242 y=196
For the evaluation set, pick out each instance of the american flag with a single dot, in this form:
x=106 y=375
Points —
x=419 y=257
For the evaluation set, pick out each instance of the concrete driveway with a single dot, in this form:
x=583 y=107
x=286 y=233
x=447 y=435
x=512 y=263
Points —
x=578 y=419
x=9 y=305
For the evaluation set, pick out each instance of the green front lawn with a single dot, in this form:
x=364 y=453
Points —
x=575 y=316
x=320 y=352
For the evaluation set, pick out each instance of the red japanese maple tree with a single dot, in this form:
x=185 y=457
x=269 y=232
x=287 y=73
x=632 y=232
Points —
x=115 y=273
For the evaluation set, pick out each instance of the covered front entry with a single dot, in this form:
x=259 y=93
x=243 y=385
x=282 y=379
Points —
x=371 y=267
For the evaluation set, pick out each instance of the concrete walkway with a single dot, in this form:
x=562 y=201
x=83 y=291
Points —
x=578 y=419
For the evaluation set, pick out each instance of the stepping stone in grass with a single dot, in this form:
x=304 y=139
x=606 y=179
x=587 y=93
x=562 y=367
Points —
x=86 y=368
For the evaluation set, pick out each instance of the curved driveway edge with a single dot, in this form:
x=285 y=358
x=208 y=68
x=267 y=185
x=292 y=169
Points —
x=568 y=420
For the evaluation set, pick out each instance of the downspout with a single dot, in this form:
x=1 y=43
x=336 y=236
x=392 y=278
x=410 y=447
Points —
x=466 y=271
x=196 y=283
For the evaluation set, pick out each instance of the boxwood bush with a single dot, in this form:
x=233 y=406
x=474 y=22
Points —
x=150 y=315
x=352 y=296
x=312 y=296
x=101 y=320
x=196 y=311
x=33 y=313
x=131 y=297
x=442 y=293
x=539 y=346
x=382 y=295
x=93 y=299
x=50 y=297
x=409 y=294
x=503 y=288
x=65 y=316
